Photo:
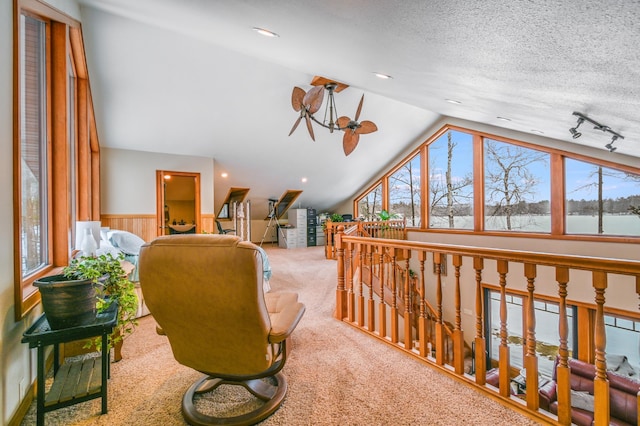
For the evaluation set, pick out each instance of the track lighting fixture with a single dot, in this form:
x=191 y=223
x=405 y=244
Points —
x=574 y=130
x=597 y=126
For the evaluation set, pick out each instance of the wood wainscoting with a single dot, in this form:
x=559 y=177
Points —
x=145 y=225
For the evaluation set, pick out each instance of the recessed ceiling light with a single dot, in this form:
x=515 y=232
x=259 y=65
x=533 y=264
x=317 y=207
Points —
x=224 y=174
x=303 y=180
x=540 y=132
x=503 y=118
x=453 y=101
x=167 y=177
x=264 y=32
x=382 y=76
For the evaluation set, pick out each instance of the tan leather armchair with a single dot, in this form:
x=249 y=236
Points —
x=205 y=292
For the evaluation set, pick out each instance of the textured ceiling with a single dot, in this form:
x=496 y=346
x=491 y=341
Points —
x=190 y=77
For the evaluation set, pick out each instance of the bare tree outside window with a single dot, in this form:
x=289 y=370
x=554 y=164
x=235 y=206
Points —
x=451 y=181
x=404 y=192
x=515 y=192
x=601 y=200
x=370 y=204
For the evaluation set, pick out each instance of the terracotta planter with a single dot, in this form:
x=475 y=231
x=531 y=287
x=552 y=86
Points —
x=67 y=303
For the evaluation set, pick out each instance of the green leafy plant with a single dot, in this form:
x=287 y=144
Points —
x=385 y=215
x=336 y=218
x=115 y=288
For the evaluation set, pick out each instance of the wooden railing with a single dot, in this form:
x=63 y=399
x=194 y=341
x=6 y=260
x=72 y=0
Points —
x=375 y=274
x=393 y=229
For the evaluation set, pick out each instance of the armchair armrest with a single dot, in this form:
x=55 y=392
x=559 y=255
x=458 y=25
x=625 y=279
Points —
x=284 y=321
x=547 y=394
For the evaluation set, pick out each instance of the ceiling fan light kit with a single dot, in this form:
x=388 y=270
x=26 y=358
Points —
x=309 y=103
x=582 y=118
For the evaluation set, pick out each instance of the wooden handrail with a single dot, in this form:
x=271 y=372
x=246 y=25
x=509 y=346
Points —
x=399 y=311
x=396 y=229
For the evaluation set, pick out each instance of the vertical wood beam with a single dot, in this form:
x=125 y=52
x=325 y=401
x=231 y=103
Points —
x=340 y=291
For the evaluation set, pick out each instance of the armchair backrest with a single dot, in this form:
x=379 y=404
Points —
x=205 y=292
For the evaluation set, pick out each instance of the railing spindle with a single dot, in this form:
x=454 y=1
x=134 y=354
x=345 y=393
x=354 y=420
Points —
x=394 y=299
x=422 y=320
x=382 y=312
x=437 y=260
x=563 y=371
x=371 y=324
x=349 y=254
x=361 y=254
x=480 y=358
x=600 y=382
x=458 y=335
x=340 y=291
x=408 y=334
x=503 y=361
x=530 y=358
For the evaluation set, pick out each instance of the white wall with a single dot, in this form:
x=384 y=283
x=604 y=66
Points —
x=128 y=179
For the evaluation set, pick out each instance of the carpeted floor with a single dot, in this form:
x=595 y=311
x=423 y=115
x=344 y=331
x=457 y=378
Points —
x=336 y=375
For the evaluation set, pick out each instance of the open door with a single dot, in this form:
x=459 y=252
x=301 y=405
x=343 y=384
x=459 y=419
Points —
x=178 y=202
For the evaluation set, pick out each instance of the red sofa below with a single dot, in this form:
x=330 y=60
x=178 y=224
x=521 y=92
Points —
x=623 y=395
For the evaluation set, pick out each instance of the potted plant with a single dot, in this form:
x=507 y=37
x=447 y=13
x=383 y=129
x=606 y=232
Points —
x=116 y=287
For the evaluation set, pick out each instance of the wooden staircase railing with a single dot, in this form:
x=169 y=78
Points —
x=392 y=314
x=393 y=229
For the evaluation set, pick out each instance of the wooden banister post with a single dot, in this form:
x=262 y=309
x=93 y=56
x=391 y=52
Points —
x=600 y=382
x=340 y=291
x=350 y=255
x=437 y=260
x=480 y=358
x=382 y=306
x=530 y=359
x=504 y=361
x=371 y=311
x=422 y=320
x=408 y=323
x=563 y=371
x=394 y=300
x=458 y=335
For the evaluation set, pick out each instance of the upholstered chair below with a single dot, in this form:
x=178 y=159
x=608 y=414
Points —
x=205 y=293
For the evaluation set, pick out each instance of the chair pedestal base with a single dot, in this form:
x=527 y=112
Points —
x=272 y=395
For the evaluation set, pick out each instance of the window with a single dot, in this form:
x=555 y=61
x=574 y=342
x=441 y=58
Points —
x=51 y=76
x=33 y=154
x=623 y=338
x=370 y=204
x=451 y=181
x=547 y=336
x=404 y=192
x=601 y=200
x=516 y=188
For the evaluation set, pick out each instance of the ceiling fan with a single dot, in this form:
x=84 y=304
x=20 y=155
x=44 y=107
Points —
x=308 y=103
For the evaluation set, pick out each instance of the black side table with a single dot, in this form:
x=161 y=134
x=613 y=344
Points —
x=73 y=382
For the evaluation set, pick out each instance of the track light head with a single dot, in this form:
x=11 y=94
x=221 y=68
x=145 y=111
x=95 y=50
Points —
x=575 y=133
x=610 y=147
x=574 y=130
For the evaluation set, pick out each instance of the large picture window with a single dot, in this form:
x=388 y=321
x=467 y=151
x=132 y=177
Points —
x=601 y=200
x=451 y=181
x=516 y=188
x=370 y=204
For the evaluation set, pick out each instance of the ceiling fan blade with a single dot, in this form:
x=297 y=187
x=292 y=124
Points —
x=309 y=127
x=366 y=127
x=343 y=122
x=313 y=99
x=295 y=125
x=296 y=98
x=359 y=108
x=350 y=141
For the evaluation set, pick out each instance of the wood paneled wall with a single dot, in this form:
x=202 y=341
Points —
x=145 y=225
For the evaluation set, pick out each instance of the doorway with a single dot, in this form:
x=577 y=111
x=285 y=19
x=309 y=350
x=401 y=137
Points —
x=178 y=202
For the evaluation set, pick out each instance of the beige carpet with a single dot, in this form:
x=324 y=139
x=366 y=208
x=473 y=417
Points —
x=336 y=374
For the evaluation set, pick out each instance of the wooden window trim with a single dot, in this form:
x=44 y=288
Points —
x=557 y=195
x=63 y=41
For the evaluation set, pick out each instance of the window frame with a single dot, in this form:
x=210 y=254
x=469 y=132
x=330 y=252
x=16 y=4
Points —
x=75 y=199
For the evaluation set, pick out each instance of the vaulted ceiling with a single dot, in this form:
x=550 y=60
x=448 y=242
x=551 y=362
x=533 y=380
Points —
x=192 y=77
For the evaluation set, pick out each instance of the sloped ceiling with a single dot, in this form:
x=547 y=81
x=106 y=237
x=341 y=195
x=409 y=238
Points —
x=191 y=77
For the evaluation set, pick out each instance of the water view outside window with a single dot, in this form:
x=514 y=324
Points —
x=451 y=181
x=547 y=334
x=601 y=200
x=370 y=204
x=404 y=192
x=33 y=153
x=516 y=188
